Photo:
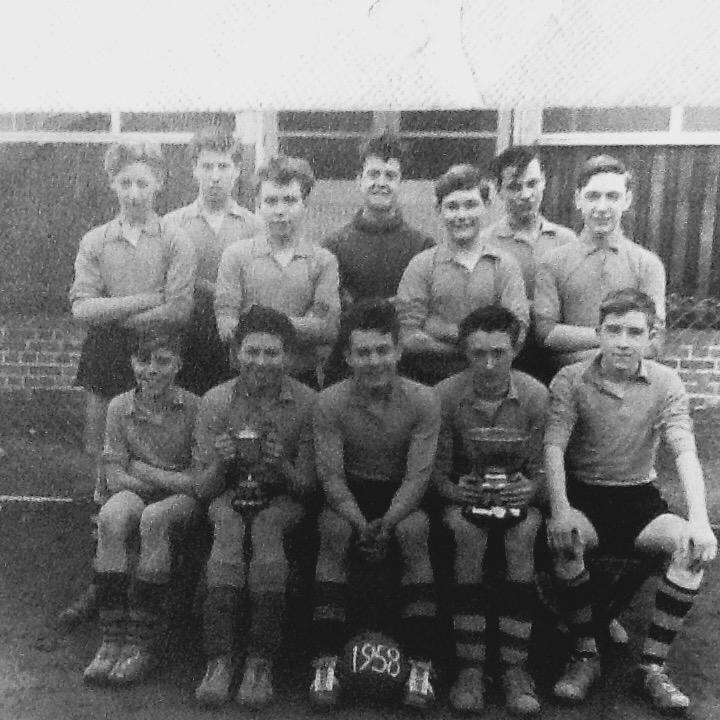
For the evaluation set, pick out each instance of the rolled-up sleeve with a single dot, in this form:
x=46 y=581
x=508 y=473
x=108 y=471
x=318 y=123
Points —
x=326 y=298
x=512 y=289
x=413 y=294
x=675 y=421
x=180 y=277
x=424 y=440
x=329 y=457
x=442 y=467
x=230 y=284
x=562 y=413
x=652 y=282
x=209 y=423
x=88 y=282
x=116 y=449
x=546 y=306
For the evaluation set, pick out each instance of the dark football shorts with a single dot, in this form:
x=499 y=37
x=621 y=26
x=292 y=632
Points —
x=618 y=514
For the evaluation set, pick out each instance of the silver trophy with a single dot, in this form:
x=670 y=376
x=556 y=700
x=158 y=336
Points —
x=497 y=453
x=249 y=496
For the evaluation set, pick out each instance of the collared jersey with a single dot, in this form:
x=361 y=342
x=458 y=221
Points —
x=573 y=280
x=523 y=408
x=528 y=248
x=109 y=265
x=249 y=275
x=392 y=440
x=611 y=431
x=228 y=408
x=372 y=256
x=161 y=438
x=238 y=224
x=435 y=284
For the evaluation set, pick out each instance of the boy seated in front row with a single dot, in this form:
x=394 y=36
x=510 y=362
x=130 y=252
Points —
x=605 y=419
x=254 y=431
x=489 y=394
x=375 y=441
x=148 y=441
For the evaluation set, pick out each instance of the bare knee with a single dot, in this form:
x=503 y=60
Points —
x=413 y=531
x=335 y=532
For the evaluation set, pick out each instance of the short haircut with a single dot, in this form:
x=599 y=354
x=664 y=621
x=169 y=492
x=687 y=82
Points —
x=261 y=319
x=621 y=302
x=462 y=177
x=518 y=156
x=385 y=145
x=376 y=314
x=490 y=318
x=215 y=138
x=282 y=170
x=120 y=155
x=146 y=342
x=602 y=164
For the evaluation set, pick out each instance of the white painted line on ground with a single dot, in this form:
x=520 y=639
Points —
x=34 y=499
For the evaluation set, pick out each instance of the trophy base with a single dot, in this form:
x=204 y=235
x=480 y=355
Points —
x=496 y=515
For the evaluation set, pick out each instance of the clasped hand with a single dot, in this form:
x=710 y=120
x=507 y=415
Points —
x=374 y=541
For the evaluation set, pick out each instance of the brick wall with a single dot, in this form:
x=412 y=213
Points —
x=38 y=352
x=695 y=354
x=43 y=352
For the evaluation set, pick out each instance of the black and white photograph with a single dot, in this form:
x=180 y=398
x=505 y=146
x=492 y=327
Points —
x=359 y=359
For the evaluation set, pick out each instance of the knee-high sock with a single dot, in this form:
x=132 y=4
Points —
x=221 y=617
x=329 y=617
x=267 y=613
x=575 y=601
x=147 y=613
x=470 y=605
x=672 y=604
x=517 y=603
x=419 y=619
x=112 y=600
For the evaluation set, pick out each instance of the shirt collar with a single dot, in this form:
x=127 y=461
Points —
x=614 y=242
x=116 y=228
x=446 y=252
x=395 y=389
x=196 y=209
x=286 y=394
x=141 y=411
x=593 y=374
x=301 y=247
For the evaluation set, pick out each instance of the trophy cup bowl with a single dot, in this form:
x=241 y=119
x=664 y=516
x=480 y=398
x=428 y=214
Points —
x=249 y=496
x=498 y=447
x=497 y=453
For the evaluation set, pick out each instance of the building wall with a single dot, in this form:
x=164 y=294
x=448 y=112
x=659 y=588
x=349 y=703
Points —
x=43 y=352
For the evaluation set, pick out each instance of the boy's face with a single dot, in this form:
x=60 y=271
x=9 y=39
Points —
x=373 y=357
x=624 y=340
x=462 y=213
x=380 y=182
x=215 y=173
x=282 y=208
x=490 y=356
x=261 y=359
x=156 y=372
x=602 y=202
x=523 y=192
x=136 y=186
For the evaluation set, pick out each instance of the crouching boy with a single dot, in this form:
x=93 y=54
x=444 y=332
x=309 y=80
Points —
x=148 y=441
x=492 y=398
x=606 y=417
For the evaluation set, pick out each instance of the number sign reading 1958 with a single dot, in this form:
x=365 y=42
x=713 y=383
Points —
x=378 y=658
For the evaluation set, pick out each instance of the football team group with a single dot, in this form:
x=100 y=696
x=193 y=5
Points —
x=380 y=389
